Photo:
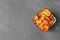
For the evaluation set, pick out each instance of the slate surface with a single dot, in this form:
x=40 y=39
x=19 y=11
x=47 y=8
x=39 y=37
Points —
x=16 y=20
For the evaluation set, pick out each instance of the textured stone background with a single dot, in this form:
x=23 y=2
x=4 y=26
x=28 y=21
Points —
x=16 y=20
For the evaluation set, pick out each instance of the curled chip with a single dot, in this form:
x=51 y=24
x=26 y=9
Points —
x=44 y=19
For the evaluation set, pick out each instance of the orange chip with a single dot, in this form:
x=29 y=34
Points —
x=43 y=19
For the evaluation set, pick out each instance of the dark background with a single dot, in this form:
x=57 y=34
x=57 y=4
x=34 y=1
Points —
x=16 y=20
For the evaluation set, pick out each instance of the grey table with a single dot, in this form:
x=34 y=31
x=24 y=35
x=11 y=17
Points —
x=16 y=20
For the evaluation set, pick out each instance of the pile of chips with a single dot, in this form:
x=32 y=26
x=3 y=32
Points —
x=43 y=19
